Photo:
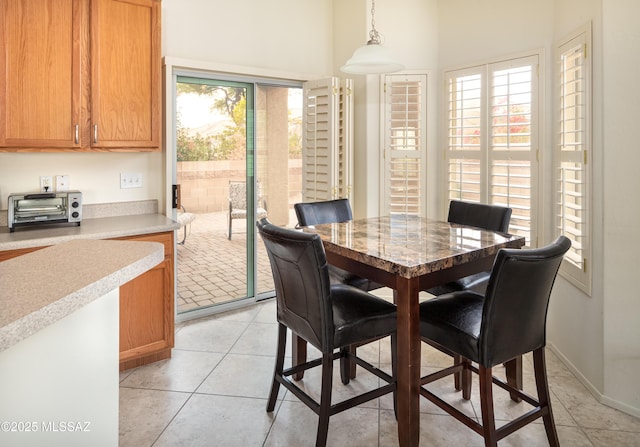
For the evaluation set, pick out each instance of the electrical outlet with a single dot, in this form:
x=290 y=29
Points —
x=62 y=183
x=46 y=183
x=130 y=180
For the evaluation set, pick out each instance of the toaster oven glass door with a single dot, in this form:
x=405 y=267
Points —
x=34 y=210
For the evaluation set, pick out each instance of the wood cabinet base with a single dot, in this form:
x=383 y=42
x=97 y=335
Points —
x=145 y=359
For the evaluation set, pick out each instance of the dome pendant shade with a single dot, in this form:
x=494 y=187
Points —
x=371 y=58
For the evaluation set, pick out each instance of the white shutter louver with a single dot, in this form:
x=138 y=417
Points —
x=573 y=139
x=344 y=158
x=511 y=150
x=464 y=137
x=327 y=142
x=405 y=144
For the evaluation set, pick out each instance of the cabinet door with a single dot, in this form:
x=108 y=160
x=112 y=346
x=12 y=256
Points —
x=146 y=321
x=126 y=70
x=147 y=309
x=40 y=57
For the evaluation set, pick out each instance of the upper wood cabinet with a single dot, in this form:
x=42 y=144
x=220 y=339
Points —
x=126 y=70
x=80 y=75
x=40 y=73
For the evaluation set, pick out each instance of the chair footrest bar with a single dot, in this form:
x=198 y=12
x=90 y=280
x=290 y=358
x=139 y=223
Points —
x=521 y=421
x=345 y=404
x=440 y=374
x=453 y=411
x=505 y=386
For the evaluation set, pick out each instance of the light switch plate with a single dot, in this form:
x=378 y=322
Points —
x=130 y=180
x=62 y=183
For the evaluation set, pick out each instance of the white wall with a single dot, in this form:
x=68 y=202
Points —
x=97 y=175
x=575 y=319
x=621 y=62
x=284 y=35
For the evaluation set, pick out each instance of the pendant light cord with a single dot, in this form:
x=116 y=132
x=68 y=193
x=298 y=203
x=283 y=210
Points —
x=374 y=36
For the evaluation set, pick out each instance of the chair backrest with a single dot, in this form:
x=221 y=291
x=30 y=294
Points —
x=301 y=279
x=488 y=217
x=330 y=211
x=514 y=314
x=238 y=194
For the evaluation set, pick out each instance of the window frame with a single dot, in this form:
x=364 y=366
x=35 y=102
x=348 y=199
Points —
x=578 y=274
x=486 y=152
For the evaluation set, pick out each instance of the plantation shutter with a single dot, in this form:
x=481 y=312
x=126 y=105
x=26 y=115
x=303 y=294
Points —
x=327 y=143
x=404 y=144
x=345 y=141
x=492 y=138
x=465 y=153
x=572 y=153
x=513 y=144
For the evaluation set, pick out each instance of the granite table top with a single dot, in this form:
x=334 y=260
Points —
x=39 y=288
x=411 y=246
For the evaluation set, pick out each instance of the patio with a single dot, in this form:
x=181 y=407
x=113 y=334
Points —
x=211 y=268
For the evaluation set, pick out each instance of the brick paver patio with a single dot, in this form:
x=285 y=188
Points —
x=211 y=268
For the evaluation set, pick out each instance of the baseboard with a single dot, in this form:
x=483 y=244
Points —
x=602 y=398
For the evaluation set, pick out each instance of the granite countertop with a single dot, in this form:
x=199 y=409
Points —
x=97 y=228
x=40 y=288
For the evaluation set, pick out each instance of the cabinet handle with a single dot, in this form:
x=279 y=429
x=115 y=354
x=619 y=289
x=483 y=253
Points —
x=77 y=136
x=95 y=133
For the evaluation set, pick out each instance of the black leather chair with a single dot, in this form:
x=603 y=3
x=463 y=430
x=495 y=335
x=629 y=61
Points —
x=480 y=215
x=509 y=321
x=487 y=217
x=330 y=317
x=332 y=211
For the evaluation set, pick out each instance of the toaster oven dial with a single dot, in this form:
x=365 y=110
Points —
x=75 y=205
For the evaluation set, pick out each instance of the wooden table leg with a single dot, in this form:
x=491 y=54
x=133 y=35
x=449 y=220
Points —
x=409 y=348
x=298 y=354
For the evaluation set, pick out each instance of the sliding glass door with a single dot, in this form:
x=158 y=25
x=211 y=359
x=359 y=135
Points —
x=234 y=140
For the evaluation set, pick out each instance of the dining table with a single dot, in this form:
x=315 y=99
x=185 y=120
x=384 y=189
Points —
x=408 y=254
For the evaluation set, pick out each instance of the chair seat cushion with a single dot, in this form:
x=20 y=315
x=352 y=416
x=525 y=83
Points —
x=242 y=214
x=340 y=276
x=186 y=218
x=359 y=316
x=453 y=321
x=475 y=283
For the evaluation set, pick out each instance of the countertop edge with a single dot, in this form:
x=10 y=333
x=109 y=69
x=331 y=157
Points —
x=128 y=260
x=98 y=228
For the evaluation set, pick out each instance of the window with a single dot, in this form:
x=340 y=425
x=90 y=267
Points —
x=492 y=138
x=572 y=154
x=404 y=144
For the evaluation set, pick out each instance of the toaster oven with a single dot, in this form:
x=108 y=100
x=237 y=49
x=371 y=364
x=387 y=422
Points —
x=44 y=208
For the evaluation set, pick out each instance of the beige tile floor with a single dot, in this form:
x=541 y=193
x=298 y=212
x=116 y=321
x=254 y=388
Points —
x=213 y=392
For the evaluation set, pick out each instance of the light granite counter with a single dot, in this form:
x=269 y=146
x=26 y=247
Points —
x=40 y=288
x=98 y=228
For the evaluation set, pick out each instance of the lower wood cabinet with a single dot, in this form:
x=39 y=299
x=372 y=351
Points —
x=146 y=306
x=147 y=310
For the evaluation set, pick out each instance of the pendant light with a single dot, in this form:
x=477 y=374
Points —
x=372 y=58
